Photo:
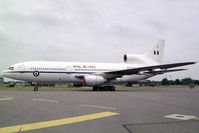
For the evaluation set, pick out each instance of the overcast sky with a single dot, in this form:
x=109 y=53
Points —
x=98 y=31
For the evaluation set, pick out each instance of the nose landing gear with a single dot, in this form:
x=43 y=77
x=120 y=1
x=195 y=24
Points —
x=35 y=88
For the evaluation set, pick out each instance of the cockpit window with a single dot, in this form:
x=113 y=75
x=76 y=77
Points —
x=11 y=68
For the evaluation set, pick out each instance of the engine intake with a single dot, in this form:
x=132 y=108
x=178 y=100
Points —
x=125 y=58
x=137 y=59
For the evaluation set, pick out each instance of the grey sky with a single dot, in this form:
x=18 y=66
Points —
x=98 y=30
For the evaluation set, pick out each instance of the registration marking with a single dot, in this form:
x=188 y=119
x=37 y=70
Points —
x=181 y=117
x=97 y=106
x=2 y=99
x=53 y=123
x=52 y=101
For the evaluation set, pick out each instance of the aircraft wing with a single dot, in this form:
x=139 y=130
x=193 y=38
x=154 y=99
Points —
x=165 y=71
x=149 y=69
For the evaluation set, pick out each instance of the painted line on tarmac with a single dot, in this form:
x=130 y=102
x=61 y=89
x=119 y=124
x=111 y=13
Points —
x=196 y=118
x=53 y=123
x=52 y=101
x=93 y=106
x=2 y=99
x=181 y=117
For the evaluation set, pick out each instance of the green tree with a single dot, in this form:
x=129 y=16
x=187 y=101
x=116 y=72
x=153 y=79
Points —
x=177 y=82
x=171 y=82
x=197 y=82
x=165 y=81
x=186 y=81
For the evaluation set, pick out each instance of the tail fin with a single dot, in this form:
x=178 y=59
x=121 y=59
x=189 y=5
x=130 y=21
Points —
x=153 y=57
x=157 y=52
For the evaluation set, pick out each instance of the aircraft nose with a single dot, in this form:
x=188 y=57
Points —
x=4 y=73
x=8 y=74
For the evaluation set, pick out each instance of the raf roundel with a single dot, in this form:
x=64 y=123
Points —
x=36 y=73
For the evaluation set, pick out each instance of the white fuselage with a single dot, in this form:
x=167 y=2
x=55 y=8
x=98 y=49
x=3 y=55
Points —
x=45 y=71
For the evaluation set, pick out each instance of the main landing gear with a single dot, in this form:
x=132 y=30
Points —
x=103 y=88
x=35 y=88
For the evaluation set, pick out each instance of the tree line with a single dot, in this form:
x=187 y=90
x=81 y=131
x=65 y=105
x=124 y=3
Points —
x=185 y=81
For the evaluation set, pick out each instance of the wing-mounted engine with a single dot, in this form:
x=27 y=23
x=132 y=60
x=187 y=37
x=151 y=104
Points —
x=93 y=80
x=90 y=80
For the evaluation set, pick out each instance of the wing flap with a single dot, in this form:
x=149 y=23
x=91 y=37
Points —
x=165 y=71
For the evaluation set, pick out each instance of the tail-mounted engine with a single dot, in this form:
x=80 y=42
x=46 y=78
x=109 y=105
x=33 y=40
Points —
x=132 y=58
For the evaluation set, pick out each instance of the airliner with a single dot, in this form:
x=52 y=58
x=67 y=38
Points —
x=135 y=68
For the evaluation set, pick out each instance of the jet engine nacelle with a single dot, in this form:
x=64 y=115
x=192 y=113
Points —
x=93 y=80
x=135 y=59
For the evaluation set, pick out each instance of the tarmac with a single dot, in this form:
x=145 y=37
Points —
x=173 y=110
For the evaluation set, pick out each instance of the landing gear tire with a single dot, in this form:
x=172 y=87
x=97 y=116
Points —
x=106 y=88
x=95 y=88
x=36 y=89
x=112 y=88
x=103 y=88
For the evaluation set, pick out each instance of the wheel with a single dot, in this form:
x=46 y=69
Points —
x=112 y=88
x=36 y=89
x=106 y=88
x=95 y=88
x=100 y=88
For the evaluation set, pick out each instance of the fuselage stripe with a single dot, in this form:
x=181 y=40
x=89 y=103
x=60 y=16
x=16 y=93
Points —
x=49 y=72
x=59 y=72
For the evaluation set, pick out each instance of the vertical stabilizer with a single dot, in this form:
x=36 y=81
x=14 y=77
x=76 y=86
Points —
x=157 y=52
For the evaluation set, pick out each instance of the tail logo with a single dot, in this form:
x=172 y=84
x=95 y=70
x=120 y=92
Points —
x=156 y=52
